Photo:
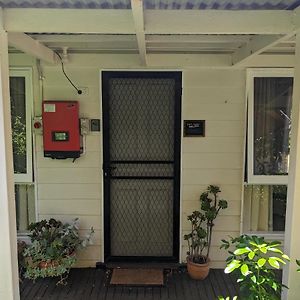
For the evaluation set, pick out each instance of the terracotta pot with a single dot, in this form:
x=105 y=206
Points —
x=53 y=263
x=197 y=271
x=46 y=264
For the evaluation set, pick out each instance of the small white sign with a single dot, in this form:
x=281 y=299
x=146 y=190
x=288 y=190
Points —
x=49 y=107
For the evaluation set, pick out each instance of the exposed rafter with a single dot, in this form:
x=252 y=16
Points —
x=89 y=38
x=138 y=17
x=25 y=43
x=246 y=34
x=262 y=43
x=256 y=46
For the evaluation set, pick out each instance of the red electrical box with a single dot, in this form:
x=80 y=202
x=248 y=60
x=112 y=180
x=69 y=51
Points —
x=61 y=134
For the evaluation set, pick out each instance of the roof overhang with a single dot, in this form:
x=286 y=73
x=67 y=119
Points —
x=233 y=37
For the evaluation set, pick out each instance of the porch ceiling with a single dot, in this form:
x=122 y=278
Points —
x=155 y=44
x=236 y=30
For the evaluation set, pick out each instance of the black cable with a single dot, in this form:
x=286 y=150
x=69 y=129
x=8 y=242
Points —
x=63 y=69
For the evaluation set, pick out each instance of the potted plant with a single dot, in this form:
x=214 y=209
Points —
x=200 y=237
x=21 y=246
x=253 y=261
x=53 y=249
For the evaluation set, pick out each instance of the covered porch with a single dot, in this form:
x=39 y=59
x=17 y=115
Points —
x=212 y=44
x=96 y=286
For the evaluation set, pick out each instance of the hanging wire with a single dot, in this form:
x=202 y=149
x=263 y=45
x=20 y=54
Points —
x=63 y=69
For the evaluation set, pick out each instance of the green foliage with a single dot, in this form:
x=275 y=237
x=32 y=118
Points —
x=298 y=263
x=253 y=261
x=60 y=267
x=21 y=246
x=53 y=248
x=227 y=298
x=18 y=135
x=199 y=239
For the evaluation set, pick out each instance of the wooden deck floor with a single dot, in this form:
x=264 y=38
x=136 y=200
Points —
x=93 y=284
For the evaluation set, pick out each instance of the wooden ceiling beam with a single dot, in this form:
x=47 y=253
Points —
x=138 y=17
x=30 y=46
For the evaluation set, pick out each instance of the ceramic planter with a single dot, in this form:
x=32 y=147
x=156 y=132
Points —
x=197 y=271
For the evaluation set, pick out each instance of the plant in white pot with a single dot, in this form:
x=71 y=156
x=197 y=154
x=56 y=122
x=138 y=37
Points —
x=200 y=237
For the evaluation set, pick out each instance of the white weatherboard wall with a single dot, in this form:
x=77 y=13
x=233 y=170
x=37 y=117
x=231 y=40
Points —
x=67 y=190
x=219 y=98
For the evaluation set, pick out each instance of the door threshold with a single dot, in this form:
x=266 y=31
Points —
x=144 y=265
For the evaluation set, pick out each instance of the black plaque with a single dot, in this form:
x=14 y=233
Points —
x=194 y=128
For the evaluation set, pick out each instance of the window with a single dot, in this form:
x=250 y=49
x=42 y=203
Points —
x=20 y=81
x=21 y=111
x=264 y=207
x=25 y=206
x=269 y=123
x=269 y=93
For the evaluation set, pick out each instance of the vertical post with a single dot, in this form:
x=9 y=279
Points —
x=292 y=238
x=9 y=281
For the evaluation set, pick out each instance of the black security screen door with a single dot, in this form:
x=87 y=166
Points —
x=141 y=135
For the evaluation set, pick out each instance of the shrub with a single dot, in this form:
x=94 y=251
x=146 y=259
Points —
x=253 y=261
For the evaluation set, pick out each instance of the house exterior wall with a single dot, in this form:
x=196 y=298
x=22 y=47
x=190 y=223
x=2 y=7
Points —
x=217 y=96
x=66 y=190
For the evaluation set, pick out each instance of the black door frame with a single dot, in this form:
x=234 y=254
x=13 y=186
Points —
x=106 y=76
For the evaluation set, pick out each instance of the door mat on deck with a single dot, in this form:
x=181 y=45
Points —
x=134 y=277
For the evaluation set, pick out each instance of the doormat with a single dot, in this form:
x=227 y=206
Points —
x=137 y=277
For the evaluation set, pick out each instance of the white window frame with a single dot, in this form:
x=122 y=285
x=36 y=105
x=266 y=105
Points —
x=251 y=177
x=245 y=228
x=27 y=74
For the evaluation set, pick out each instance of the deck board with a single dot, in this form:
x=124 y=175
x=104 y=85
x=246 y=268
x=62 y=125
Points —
x=93 y=284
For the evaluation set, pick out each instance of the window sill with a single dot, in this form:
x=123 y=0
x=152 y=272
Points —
x=23 y=237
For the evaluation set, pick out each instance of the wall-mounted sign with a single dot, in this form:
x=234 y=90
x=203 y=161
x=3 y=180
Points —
x=194 y=128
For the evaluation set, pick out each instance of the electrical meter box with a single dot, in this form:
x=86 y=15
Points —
x=61 y=133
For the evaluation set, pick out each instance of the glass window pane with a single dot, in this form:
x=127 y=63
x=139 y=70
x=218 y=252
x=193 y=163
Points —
x=279 y=207
x=267 y=207
x=272 y=122
x=18 y=120
x=25 y=206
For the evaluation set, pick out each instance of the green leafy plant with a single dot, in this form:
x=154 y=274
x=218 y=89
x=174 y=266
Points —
x=298 y=263
x=202 y=222
x=227 y=298
x=253 y=261
x=53 y=248
x=21 y=246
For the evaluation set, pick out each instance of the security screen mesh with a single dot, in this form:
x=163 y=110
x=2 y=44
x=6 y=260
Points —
x=141 y=140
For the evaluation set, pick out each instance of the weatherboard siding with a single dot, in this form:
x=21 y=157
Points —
x=217 y=96
x=66 y=190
